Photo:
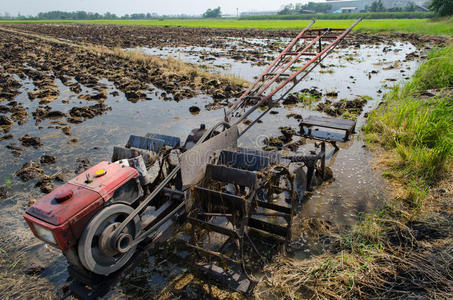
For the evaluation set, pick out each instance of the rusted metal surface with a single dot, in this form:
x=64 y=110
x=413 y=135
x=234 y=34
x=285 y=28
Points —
x=234 y=199
x=315 y=46
x=347 y=126
x=234 y=280
x=256 y=90
x=218 y=188
x=193 y=162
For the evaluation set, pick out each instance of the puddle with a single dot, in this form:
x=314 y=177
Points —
x=356 y=189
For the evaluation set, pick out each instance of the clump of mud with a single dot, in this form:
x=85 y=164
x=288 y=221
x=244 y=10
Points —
x=30 y=170
x=44 y=61
x=28 y=141
x=348 y=109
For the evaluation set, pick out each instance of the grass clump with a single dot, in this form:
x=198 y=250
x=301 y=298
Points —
x=436 y=72
x=15 y=283
x=307 y=99
x=361 y=270
x=416 y=128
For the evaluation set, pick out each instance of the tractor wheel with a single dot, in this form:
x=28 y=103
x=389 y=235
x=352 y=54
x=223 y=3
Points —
x=95 y=250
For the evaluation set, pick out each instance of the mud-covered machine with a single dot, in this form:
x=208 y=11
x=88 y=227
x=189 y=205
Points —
x=227 y=198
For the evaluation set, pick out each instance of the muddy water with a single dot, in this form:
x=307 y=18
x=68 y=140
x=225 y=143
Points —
x=367 y=71
x=356 y=188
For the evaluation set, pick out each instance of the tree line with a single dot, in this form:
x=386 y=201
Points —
x=299 y=8
x=83 y=15
x=212 y=13
x=378 y=6
x=316 y=7
x=441 y=7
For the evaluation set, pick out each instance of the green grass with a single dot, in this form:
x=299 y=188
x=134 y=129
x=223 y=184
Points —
x=307 y=99
x=436 y=72
x=332 y=16
x=423 y=26
x=419 y=130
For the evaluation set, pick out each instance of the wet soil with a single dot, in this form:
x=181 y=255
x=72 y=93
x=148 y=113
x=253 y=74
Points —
x=63 y=107
x=155 y=36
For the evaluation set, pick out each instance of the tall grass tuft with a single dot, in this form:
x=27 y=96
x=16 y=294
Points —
x=436 y=72
x=418 y=129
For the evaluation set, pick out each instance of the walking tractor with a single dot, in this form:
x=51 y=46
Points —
x=231 y=201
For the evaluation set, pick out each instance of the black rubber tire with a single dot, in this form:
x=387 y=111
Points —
x=90 y=256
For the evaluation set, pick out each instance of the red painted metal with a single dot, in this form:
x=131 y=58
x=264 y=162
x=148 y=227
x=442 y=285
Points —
x=51 y=211
x=67 y=219
x=284 y=68
x=64 y=195
x=105 y=185
x=311 y=46
x=331 y=45
x=290 y=45
x=62 y=233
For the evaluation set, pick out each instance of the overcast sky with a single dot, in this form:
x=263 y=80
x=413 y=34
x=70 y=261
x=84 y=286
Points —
x=120 y=7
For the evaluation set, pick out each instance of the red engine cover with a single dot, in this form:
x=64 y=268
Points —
x=87 y=198
x=105 y=185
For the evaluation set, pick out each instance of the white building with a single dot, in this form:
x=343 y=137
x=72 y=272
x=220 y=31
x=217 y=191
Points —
x=357 y=6
x=258 y=13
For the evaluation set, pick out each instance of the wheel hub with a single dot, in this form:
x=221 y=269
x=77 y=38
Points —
x=123 y=242
x=97 y=250
x=105 y=241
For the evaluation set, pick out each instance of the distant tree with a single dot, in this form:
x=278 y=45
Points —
x=109 y=16
x=442 y=7
x=411 y=6
x=287 y=10
x=212 y=13
x=137 y=16
x=395 y=9
x=81 y=15
x=300 y=8
x=377 y=6
x=316 y=7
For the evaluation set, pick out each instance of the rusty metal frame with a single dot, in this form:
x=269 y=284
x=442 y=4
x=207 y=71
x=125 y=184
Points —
x=262 y=89
x=169 y=218
x=256 y=91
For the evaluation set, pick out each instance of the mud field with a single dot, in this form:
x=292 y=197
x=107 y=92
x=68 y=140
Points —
x=67 y=97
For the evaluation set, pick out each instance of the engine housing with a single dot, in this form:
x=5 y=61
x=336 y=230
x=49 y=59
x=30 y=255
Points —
x=65 y=211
